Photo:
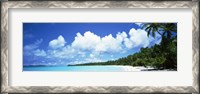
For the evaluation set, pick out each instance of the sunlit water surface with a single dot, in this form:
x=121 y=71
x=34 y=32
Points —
x=74 y=68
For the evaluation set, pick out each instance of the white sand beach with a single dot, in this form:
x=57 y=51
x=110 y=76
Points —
x=138 y=68
x=141 y=68
x=131 y=68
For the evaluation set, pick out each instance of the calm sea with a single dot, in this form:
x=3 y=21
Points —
x=74 y=68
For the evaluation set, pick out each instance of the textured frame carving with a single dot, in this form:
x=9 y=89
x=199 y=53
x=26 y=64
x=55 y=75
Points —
x=99 y=4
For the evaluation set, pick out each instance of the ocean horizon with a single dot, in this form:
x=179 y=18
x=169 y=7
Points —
x=89 y=68
x=110 y=68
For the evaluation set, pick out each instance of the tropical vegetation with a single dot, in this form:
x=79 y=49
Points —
x=159 y=56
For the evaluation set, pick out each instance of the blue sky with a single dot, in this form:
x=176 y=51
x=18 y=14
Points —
x=74 y=43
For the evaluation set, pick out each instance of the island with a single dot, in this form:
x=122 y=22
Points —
x=160 y=56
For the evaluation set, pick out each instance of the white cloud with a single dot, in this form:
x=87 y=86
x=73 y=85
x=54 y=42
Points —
x=109 y=44
x=89 y=47
x=86 y=42
x=57 y=43
x=34 y=45
x=91 y=41
x=28 y=49
x=139 y=24
x=121 y=36
x=65 y=52
x=87 y=60
x=39 y=52
x=91 y=55
x=128 y=43
x=137 y=38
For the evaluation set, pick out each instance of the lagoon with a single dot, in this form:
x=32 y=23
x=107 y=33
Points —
x=96 y=68
x=73 y=68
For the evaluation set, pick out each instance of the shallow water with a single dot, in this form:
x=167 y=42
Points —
x=75 y=68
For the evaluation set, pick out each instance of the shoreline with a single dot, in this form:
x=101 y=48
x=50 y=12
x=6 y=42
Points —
x=132 y=68
x=125 y=68
x=137 y=68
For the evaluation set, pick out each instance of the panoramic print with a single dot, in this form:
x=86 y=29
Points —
x=100 y=47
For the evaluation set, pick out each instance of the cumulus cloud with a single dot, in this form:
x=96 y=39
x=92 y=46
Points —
x=66 y=52
x=121 y=36
x=91 y=41
x=137 y=38
x=86 y=41
x=89 y=47
x=39 y=52
x=57 y=43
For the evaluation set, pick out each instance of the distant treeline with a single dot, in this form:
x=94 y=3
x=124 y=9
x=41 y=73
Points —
x=159 y=56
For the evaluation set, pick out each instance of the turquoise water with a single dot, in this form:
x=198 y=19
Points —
x=74 y=68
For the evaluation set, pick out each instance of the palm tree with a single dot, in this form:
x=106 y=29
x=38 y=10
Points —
x=164 y=29
x=168 y=28
x=152 y=28
x=166 y=53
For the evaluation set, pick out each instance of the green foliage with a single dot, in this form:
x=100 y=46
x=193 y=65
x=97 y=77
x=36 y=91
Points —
x=155 y=57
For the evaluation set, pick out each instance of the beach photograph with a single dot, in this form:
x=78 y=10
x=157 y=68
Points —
x=100 y=47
